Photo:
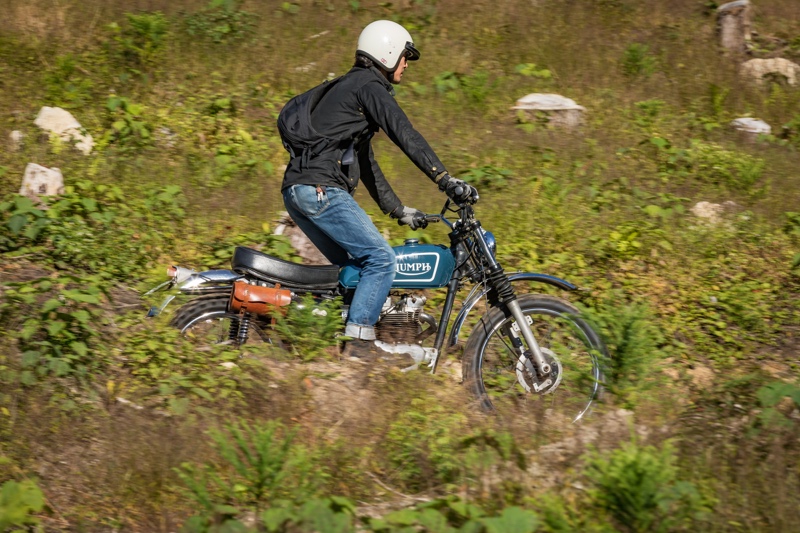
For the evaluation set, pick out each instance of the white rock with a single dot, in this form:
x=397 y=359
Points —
x=756 y=69
x=62 y=123
x=712 y=213
x=41 y=181
x=547 y=102
x=752 y=125
x=561 y=111
x=15 y=138
x=228 y=364
x=707 y=210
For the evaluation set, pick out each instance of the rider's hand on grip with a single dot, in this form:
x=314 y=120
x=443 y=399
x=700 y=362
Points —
x=458 y=190
x=408 y=216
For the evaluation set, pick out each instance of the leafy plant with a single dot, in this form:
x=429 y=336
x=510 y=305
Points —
x=451 y=515
x=18 y=501
x=638 y=61
x=311 y=326
x=639 y=487
x=142 y=39
x=57 y=334
x=422 y=445
x=23 y=223
x=634 y=343
x=771 y=397
x=91 y=227
x=67 y=83
x=128 y=128
x=531 y=70
x=221 y=21
x=734 y=170
x=486 y=176
x=260 y=466
x=175 y=372
x=647 y=112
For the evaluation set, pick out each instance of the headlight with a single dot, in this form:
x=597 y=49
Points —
x=488 y=236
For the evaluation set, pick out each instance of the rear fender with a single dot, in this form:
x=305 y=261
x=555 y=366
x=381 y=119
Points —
x=480 y=290
x=189 y=281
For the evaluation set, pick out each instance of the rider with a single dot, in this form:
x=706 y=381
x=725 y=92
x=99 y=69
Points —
x=318 y=191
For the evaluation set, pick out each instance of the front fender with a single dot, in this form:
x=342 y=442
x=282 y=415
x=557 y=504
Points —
x=480 y=290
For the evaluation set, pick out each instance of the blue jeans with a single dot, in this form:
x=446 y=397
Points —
x=344 y=233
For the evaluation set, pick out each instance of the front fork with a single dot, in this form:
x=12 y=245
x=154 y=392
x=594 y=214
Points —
x=542 y=368
x=505 y=294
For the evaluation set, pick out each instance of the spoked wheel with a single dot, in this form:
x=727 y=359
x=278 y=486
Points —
x=505 y=380
x=207 y=321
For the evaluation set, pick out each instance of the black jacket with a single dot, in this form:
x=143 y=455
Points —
x=354 y=109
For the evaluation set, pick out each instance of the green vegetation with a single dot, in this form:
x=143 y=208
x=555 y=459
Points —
x=111 y=421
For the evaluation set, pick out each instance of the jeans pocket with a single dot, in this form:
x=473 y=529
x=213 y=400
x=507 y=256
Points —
x=306 y=200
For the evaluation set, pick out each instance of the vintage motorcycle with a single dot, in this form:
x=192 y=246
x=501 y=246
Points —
x=527 y=351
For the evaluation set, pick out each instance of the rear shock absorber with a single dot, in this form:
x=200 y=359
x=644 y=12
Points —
x=240 y=328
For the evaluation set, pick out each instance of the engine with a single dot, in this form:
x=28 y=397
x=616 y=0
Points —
x=402 y=320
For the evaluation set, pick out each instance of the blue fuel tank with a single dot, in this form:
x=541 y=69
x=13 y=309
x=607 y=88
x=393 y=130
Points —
x=419 y=266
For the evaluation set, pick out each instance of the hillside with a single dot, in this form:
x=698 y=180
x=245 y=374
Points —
x=682 y=233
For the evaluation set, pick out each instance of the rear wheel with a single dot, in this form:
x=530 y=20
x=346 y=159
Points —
x=207 y=321
x=505 y=380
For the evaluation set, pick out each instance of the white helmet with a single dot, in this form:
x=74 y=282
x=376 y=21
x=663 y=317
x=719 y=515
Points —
x=385 y=42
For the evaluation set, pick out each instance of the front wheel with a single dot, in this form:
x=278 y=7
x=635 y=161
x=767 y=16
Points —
x=206 y=320
x=502 y=377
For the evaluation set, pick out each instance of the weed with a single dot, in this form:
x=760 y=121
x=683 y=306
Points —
x=67 y=84
x=637 y=61
x=531 y=70
x=422 y=446
x=634 y=345
x=736 y=171
x=221 y=21
x=77 y=229
x=58 y=333
x=128 y=129
x=486 y=176
x=311 y=326
x=18 y=501
x=260 y=465
x=639 y=487
x=772 y=396
x=141 y=41
x=175 y=372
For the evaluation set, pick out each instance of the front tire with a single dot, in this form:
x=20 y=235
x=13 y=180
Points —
x=502 y=380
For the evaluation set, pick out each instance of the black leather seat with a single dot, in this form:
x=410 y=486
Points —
x=274 y=270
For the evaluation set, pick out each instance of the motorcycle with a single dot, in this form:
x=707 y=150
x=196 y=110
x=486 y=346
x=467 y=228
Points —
x=525 y=350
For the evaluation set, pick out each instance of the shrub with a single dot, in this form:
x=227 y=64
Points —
x=58 y=326
x=221 y=21
x=311 y=326
x=141 y=41
x=634 y=345
x=18 y=500
x=638 y=61
x=259 y=467
x=638 y=487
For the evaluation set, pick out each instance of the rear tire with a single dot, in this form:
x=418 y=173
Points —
x=496 y=375
x=207 y=320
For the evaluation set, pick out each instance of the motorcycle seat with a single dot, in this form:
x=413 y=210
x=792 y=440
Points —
x=288 y=274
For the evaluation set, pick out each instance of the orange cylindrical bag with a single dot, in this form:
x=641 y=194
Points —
x=258 y=300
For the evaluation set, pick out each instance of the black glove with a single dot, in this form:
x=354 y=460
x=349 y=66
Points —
x=458 y=190
x=408 y=216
